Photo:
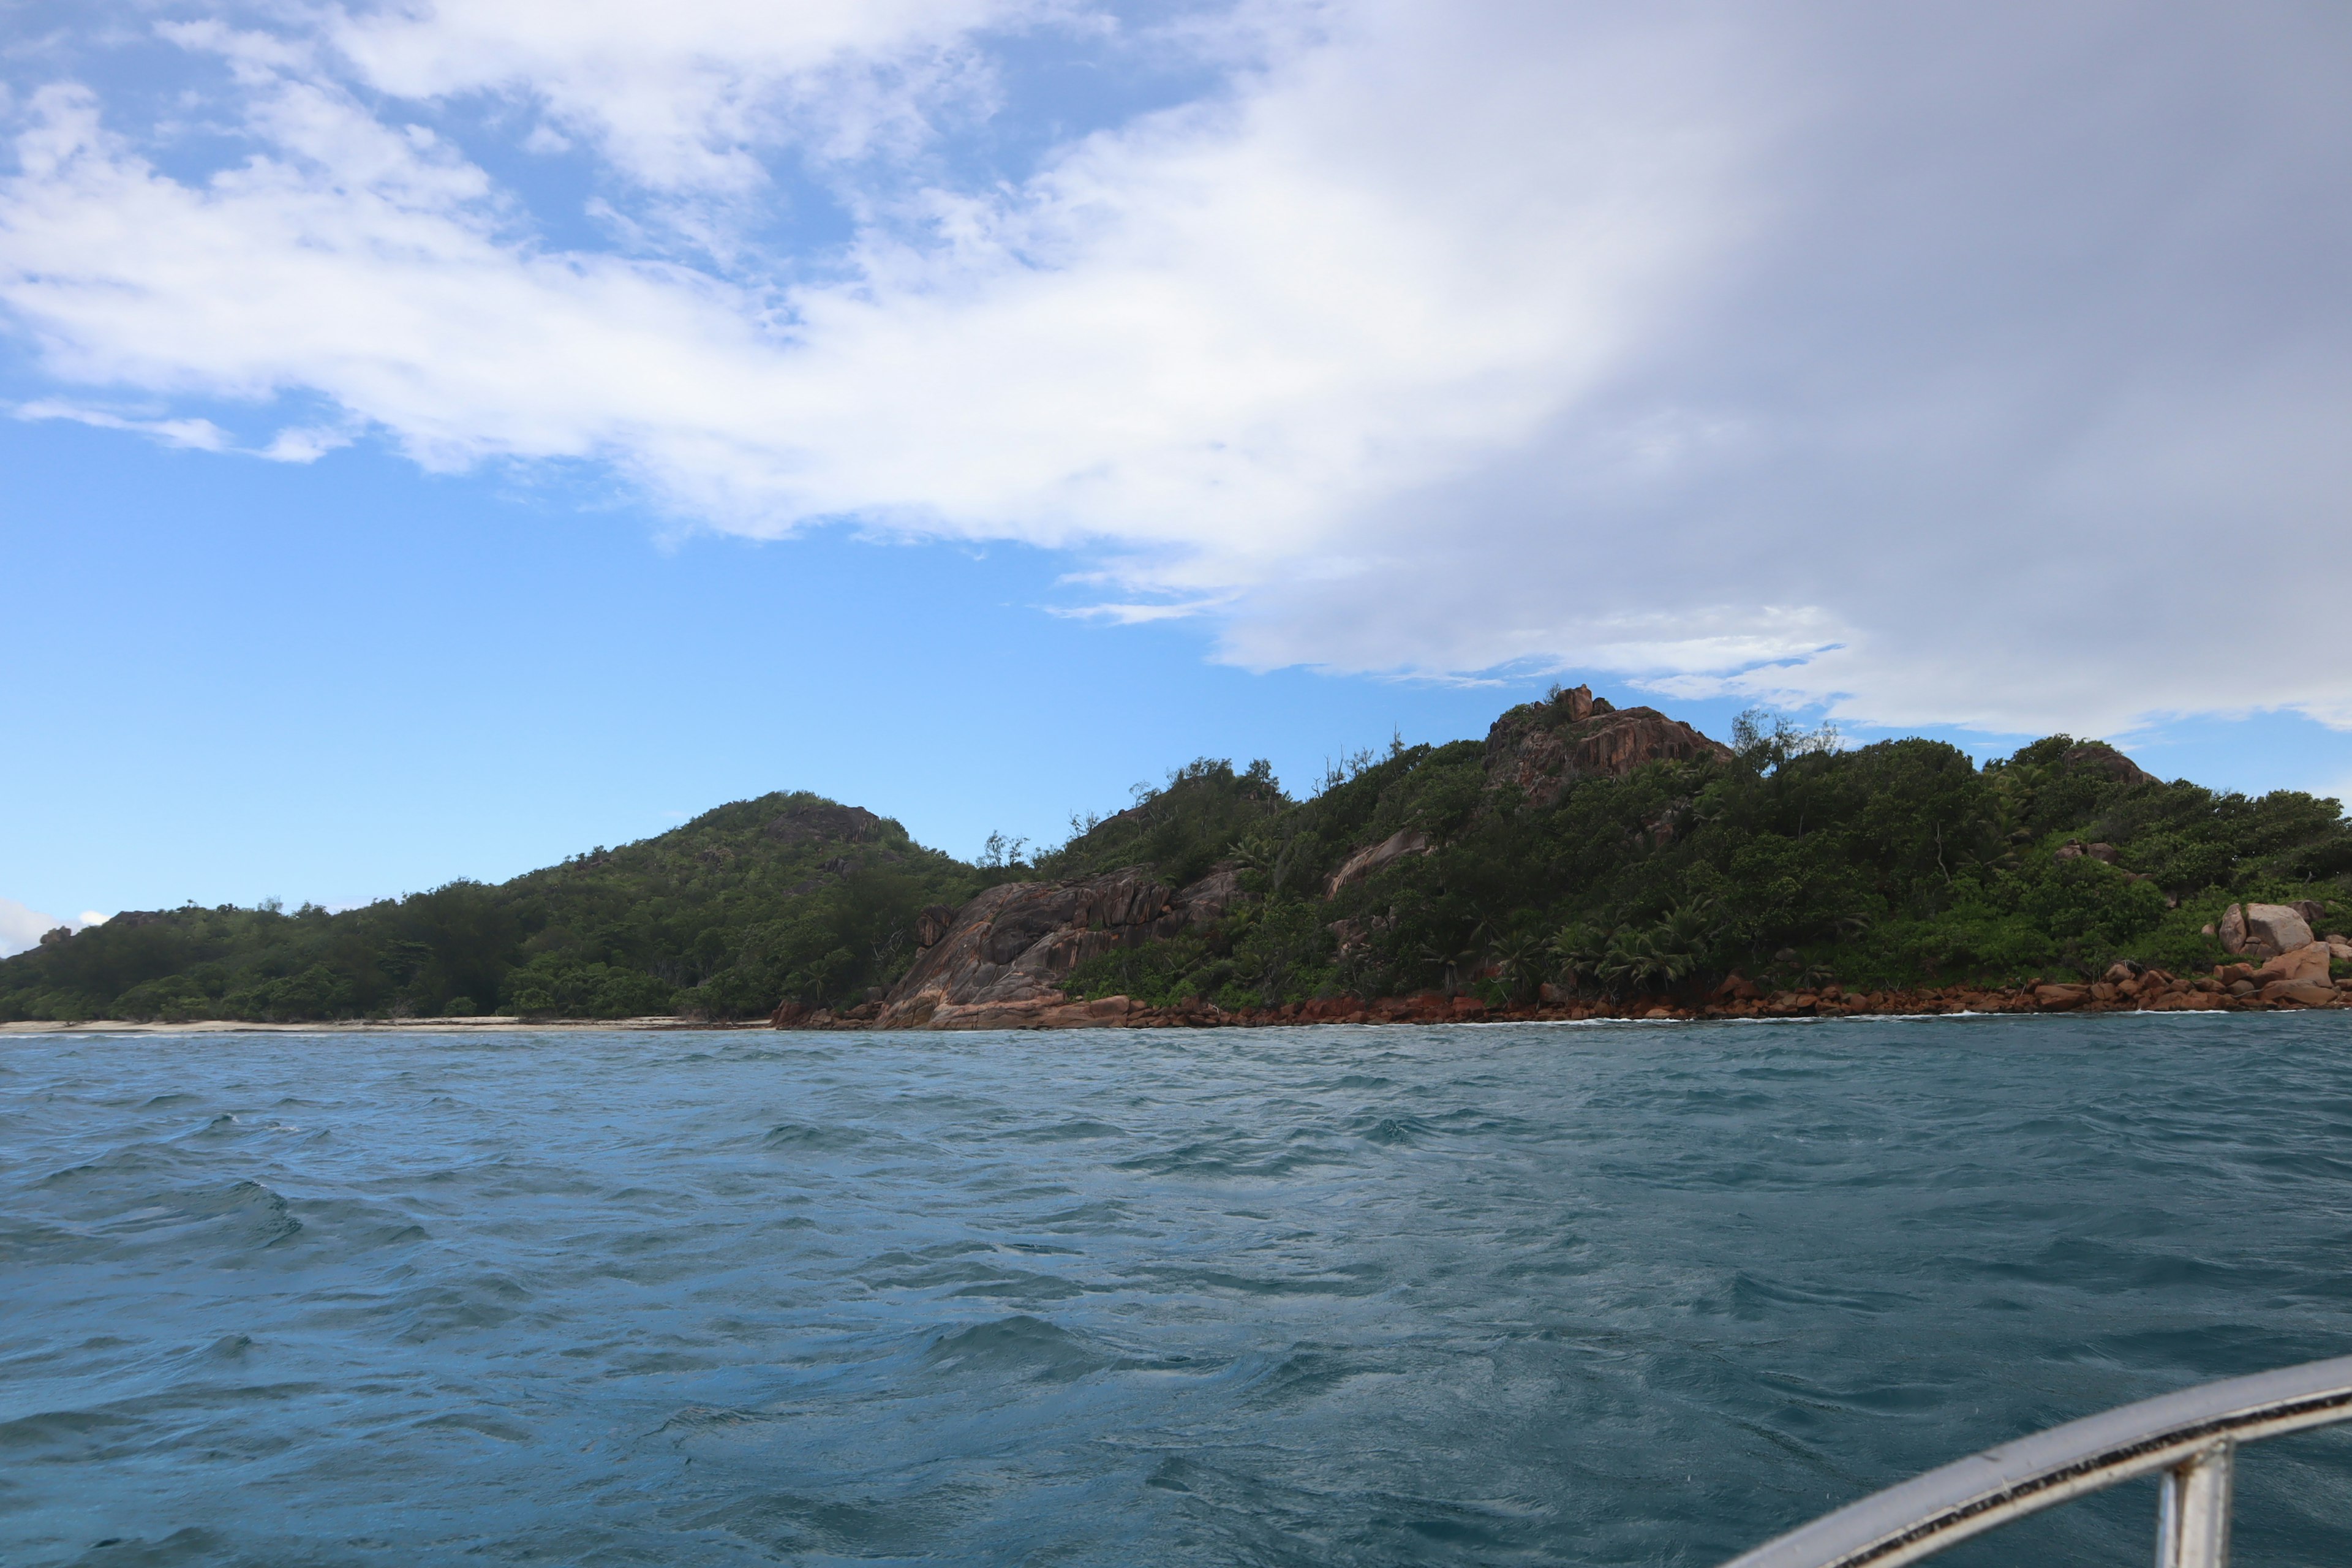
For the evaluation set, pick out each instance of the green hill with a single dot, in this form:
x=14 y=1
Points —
x=788 y=894
x=1587 y=848
x=1894 y=865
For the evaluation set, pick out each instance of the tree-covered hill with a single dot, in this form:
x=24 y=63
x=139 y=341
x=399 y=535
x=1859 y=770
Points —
x=785 y=894
x=1790 y=859
x=1550 y=854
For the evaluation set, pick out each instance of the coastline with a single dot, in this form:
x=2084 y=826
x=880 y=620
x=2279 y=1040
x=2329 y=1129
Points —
x=1120 y=1013
x=492 y=1025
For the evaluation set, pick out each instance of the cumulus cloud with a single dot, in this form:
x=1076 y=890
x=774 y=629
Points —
x=22 y=927
x=1934 y=365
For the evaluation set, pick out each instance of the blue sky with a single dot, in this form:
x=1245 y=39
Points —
x=443 y=440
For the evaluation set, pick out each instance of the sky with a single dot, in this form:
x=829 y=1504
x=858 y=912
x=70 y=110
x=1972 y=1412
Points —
x=437 y=439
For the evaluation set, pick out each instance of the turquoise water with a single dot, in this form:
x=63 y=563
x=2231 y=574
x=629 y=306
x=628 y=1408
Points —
x=1622 y=1294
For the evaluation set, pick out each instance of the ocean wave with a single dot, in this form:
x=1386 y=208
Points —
x=1447 y=1297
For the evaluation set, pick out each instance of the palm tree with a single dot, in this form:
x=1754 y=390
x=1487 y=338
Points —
x=1578 y=950
x=1519 y=960
x=1662 y=956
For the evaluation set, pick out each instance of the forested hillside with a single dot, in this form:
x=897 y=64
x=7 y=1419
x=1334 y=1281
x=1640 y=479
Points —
x=1897 y=864
x=1595 y=851
x=785 y=894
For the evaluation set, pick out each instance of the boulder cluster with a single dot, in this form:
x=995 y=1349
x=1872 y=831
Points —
x=2267 y=931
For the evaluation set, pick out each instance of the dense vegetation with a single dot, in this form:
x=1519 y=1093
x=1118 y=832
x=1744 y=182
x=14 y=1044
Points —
x=788 y=894
x=1898 y=863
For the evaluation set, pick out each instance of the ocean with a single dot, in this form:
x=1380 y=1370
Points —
x=1511 y=1294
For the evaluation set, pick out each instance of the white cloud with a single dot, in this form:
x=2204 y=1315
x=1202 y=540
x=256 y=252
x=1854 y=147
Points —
x=1982 y=367
x=298 y=444
x=22 y=927
x=194 y=435
x=1235 y=332
x=682 y=96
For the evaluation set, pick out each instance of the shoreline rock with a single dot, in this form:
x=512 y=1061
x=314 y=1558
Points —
x=2152 y=990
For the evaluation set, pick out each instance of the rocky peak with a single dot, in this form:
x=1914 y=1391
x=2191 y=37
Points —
x=2097 y=756
x=823 y=822
x=1541 y=746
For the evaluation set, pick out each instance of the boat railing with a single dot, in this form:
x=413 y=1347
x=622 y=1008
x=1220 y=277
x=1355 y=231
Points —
x=2189 y=1440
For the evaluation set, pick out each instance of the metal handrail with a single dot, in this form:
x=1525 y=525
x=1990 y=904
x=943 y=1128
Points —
x=2190 y=1437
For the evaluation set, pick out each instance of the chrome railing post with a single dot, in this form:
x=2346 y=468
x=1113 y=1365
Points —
x=2187 y=1440
x=2192 y=1511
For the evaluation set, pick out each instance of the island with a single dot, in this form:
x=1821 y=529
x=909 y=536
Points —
x=1582 y=861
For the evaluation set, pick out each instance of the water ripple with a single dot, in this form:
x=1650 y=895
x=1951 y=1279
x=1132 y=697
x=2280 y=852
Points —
x=1447 y=1296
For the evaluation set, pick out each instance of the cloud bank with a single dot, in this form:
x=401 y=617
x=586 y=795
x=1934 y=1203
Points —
x=1957 y=365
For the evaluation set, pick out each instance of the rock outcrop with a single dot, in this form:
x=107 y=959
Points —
x=1372 y=857
x=2263 y=929
x=2097 y=756
x=1000 y=962
x=823 y=822
x=1541 y=746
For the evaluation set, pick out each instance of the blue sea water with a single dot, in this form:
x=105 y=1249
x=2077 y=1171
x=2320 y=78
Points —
x=1510 y=1294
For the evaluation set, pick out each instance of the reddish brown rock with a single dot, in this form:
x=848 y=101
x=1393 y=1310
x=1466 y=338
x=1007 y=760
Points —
x=1001 y=962
x=1539 y=747
x=2185 y=1001
x=2308 y=961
